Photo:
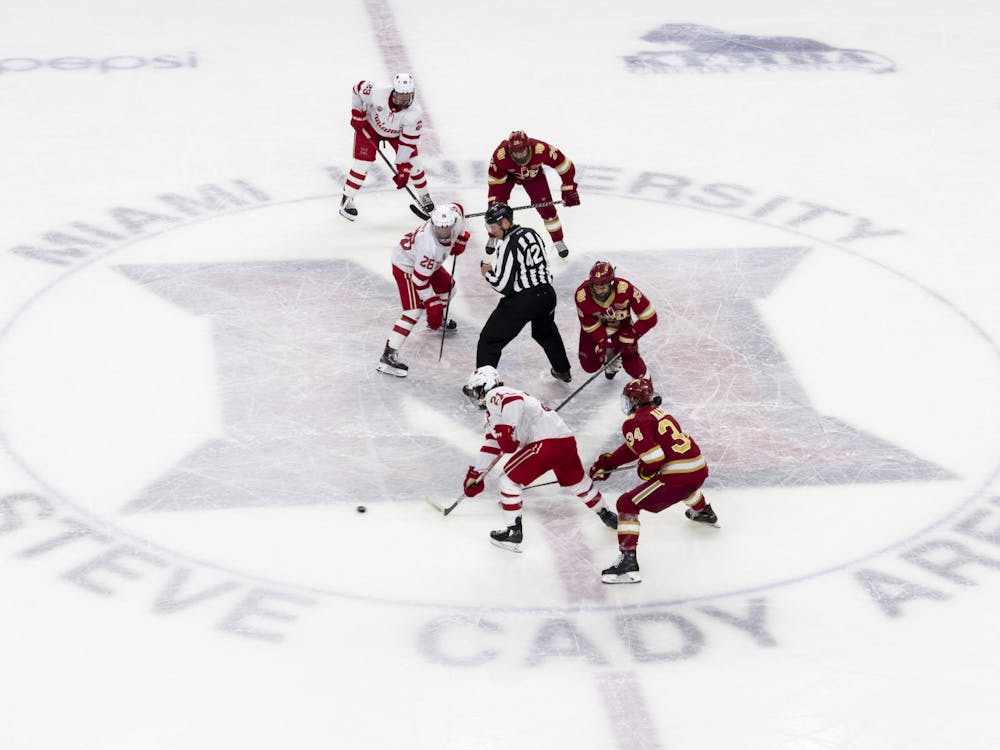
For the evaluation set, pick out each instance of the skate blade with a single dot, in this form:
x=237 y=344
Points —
x=509 y=546
x=390 y=370
x=632 y=577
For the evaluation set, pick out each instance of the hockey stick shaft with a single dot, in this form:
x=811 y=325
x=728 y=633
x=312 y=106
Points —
x=415 y=207
x=543 y=204
x=444 y=323
x=479 y=480
x=556 y=481
x=588 y=381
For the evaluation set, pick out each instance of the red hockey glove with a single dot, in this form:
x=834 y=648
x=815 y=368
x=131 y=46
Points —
x=602 y=467
x=505 y=436
x=357 y=119
x=473 y=483
x=571 y=197
x=402 y=174
x=435 y=312
x=458 y=247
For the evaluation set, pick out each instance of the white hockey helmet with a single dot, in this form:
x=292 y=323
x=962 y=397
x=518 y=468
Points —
x=402 y=90
x=445 y=221
x=481 y=382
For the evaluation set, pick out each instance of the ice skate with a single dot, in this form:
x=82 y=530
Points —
x=613 y=366
x=625 y=569
x=510 y=538
x=347 y=209
x=450 y=326
x=390 y=364
x=706 y=515
x=608 y=517
x=563 y=376
x=426 y=203
x=561 y=248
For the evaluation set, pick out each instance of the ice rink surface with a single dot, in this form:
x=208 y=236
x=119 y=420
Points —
x=190 y=412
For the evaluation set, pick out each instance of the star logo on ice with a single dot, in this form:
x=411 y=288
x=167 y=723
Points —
x=305 y=423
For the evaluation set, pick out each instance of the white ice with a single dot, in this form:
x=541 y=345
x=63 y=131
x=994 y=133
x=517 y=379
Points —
x=190 y=412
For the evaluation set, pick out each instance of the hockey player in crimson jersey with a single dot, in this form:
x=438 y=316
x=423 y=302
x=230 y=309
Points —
x=518 y=160
x=423 y=283
x=670 y=466
x=613 y=314
x=385 y=113
x=538 y=440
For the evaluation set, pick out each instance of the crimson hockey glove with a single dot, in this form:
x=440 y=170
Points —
x=505 y=437
x=602 y=467
x=402 y=174
x=571 y=197
x=435 y=312
x=460 y=242
x=473 y=483
x=357 y=119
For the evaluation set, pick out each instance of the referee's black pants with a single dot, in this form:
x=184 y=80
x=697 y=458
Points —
x=536 y=306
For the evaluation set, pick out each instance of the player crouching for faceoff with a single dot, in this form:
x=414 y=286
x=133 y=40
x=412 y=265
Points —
x=539 y=440
x=670 y=466
x=424 y=284
x=606 y=305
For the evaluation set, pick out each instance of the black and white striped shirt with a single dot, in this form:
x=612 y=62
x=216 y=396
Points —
x=519 y=262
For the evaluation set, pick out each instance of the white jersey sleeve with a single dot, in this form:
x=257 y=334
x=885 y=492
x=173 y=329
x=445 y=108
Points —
x=529 y=418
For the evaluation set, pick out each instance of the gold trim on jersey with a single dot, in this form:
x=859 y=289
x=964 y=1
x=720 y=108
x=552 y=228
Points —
x=647 y=313
x=629 y=528
x=684 y=465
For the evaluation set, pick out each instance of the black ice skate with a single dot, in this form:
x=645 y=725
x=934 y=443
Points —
x=563 y=376
x=707 y=515
x=612 y=367
x=347 y=209
x=625 y=569
x=561 y=248
x=609 y=518
x=449 y=327
x=427 y=203
x=390 y=364
x=509 y=538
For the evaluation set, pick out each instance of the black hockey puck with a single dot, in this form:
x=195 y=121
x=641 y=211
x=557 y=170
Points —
x=361 y=509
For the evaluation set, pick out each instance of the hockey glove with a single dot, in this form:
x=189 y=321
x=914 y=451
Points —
x=458 y=247
x=402 y=174
x=648 y=471
x=357 y=119
x=435 y=312
x=505 y=437
x=473 y=483
x=571 y=197
x=602 y=467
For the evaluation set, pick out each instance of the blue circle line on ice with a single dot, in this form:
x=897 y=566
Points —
x=100 y=521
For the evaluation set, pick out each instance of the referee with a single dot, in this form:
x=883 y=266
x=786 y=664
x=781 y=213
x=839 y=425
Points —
x=520 y=272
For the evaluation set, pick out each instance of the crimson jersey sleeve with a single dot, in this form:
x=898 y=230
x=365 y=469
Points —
x=657 y=440
x=551 y=156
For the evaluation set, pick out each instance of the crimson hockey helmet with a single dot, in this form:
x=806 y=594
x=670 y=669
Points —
x=636 y=393
x=602 y=274
x=518 y=147
x=402 y=90
x=498 y=211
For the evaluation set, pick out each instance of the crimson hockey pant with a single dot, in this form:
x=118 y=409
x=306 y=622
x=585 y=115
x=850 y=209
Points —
x=536 y=306
x=623 y=342
x=658 y=493
x=413 y=307
x=365 y=151
x=538 y=190
x=560 y=455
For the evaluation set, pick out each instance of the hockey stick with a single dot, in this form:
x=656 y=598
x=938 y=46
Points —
x=519 y=208
x=482 y=477
x=556 y=481
x=413 y=206
x=444 y=325
x=587 y=382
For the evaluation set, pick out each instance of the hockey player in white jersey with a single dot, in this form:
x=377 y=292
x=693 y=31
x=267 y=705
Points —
x=424 y=284
x=539 y=440
x=385 y=113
